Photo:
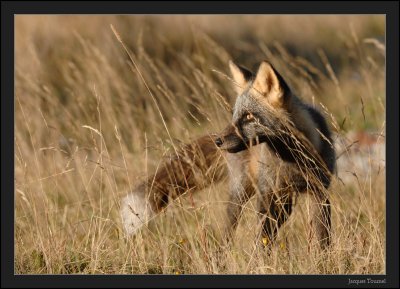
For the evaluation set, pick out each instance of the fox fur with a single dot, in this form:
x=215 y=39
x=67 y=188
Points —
x=275 y=146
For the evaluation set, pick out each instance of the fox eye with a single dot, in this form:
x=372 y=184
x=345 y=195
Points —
x=249 y=116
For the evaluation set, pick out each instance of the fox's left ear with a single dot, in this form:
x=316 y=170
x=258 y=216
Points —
x=270 y=84
x=241 y=76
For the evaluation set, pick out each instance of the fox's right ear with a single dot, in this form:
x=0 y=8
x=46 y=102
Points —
x=271 y=85
x=240 y=75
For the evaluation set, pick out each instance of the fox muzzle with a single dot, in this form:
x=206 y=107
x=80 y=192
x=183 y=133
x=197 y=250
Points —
x=230 y=140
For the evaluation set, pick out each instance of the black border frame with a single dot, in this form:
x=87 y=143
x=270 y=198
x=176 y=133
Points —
x=9 y=8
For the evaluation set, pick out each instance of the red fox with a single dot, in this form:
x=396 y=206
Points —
x=275 y=146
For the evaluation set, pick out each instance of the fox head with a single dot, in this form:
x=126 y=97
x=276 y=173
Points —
x=262 y=106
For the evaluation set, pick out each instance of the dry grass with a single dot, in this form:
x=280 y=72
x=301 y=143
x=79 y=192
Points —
x=87 y=130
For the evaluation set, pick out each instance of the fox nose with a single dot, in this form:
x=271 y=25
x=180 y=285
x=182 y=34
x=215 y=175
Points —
x=219 y=142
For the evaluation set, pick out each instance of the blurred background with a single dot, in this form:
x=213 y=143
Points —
x=87 y=130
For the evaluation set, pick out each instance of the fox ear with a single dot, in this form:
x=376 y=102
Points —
x=270 y=84
x=240 y=75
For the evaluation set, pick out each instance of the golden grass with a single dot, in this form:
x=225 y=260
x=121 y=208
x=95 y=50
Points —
x=87 y=129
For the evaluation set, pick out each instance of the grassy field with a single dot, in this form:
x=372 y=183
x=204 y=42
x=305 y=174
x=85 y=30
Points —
x=87 y=130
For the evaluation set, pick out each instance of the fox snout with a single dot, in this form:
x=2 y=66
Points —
x=230 y=140
x=219 y=142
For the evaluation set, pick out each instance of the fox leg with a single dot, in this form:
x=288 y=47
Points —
x=274 y=209
x=239 y=194
x=321 y=220
x=235 y=206
x=241 y=188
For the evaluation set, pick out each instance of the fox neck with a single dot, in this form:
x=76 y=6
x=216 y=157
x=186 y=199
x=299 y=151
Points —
x=293 y=114
x=304 y=123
